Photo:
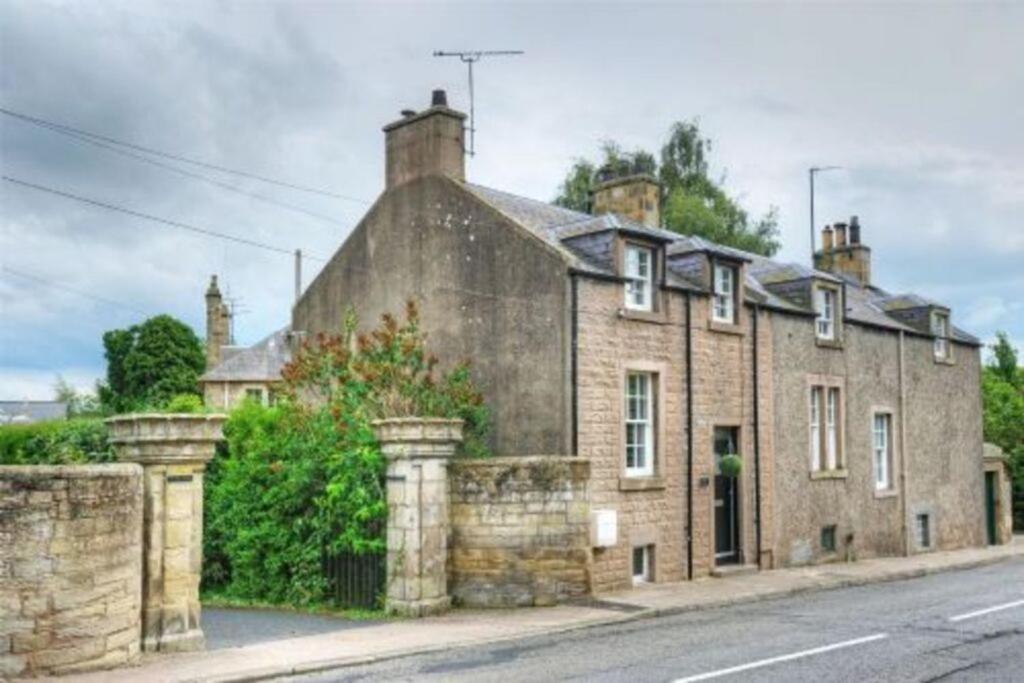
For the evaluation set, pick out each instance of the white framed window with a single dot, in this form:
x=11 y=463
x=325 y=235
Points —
x=815 y=429
x=882 y=450
x=825 y=305
x=825 y=431
x=642 y=564
x=256 y=396
x=639 y=273
x=723 y=305
x=940 y=328
x=832 y=429
x=639 y=410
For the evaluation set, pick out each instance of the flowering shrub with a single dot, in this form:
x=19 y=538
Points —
x=305 y=477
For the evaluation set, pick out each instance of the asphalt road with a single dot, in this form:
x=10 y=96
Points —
x=937 y=628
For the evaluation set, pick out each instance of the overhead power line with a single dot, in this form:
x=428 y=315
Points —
x=53 y=125
x=155 y=219
x=66 y=288
x=190 y=174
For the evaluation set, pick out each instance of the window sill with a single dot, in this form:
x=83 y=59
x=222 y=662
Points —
x=726 y=328
x=828 y=343
x=656 y=317
x=829 y=474
x=947 y=360
x=882 y=494
x=641 y=483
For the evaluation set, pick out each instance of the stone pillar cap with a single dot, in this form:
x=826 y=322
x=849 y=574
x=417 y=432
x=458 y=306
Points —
x=166 y=437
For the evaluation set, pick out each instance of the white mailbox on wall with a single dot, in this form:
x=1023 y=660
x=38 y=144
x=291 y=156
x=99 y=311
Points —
x=604 y=528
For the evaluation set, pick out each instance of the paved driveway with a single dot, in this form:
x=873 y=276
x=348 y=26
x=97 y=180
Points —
x=229 y=627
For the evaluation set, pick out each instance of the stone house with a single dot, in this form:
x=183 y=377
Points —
x=234 y=373
x=855 y=414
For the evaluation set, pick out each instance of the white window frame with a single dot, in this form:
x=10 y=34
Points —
x=639 y=273
x=940 y=328
x=638 y=421
x=832 y=428
x=825 y=305
x=644 y=575
x=881 y=449
x=723 y=302
x=815 y=418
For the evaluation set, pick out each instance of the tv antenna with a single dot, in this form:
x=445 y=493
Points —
x=469 y=58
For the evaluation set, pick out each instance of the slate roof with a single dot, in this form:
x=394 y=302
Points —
x=261 y=362
x=554 y=224
x=25 y=412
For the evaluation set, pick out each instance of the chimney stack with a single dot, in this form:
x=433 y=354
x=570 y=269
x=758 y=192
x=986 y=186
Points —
x=218 y=324
x=634 y=195
x=848 y=258
x=430 y=142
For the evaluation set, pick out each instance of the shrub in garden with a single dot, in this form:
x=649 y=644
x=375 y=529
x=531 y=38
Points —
x=305 y=477
x=60 y=442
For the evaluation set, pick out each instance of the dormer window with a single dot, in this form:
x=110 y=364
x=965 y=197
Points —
x=825 y=306
x=940 y=328
x=723 y=307
x=639 y=273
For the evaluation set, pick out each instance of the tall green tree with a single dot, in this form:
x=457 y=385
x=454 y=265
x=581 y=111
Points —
x=150 y=363
x=692 y=201
x=1002 y=391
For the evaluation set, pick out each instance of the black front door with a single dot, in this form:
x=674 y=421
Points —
x=990 y=506
x=727 y=537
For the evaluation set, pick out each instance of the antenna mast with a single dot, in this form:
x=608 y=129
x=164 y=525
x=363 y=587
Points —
x=469 y=58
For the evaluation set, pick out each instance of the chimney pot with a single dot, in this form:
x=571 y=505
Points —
x=826 y=239
x=439 y=98
x=854 y=230
x=840 y=229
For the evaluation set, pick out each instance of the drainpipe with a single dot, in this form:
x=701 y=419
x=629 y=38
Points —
x=689 y=442
x=757 y=444
x=903 y=447
x=573 y=363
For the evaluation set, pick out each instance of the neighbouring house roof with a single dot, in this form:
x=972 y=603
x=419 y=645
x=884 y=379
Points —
x=561 y=228
x=25 y=412
x=261 y=362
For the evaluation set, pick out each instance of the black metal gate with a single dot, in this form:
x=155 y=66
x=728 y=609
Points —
x=355 y=581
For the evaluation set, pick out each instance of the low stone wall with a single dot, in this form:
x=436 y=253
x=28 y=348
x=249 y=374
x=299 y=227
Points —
x=519 y=530
x=70 y=567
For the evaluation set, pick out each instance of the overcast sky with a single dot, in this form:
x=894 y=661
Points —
x=922 y=106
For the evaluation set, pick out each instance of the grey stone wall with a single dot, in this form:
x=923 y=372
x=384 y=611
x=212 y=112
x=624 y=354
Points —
x=70 y=568
x=942 y=455
x=489 y=292
x=519 y=530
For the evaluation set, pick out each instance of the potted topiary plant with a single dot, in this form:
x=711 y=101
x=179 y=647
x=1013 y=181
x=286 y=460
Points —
x=730 y=465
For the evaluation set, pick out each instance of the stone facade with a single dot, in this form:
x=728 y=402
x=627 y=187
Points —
x=519 y=531
x=227 y=395
x=70 y=568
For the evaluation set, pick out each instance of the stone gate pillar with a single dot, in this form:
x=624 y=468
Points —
x=173 y=450
x=417 y=452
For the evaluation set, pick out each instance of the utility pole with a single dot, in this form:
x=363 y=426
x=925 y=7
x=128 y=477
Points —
x=298 y=274
x=810 y=172
x=469 y=58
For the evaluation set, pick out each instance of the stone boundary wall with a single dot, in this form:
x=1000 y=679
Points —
x=70 y=567
x=519 y=530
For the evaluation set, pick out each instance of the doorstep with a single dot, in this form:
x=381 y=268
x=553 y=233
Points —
x=729 y=570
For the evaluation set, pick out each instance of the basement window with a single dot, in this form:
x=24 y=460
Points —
x=642 y=564
x=828 y=538
x=923 y=531
x=639 y=274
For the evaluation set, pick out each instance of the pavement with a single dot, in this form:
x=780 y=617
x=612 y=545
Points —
x=475 y=628
x=227 y=627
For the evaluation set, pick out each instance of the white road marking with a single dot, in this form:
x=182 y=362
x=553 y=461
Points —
x=989 y=610
x=783 y=658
